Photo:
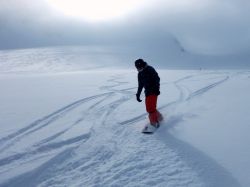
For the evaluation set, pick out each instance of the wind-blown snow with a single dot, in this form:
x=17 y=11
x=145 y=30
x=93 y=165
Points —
x=82 y=128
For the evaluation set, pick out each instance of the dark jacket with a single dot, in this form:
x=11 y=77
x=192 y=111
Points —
x=149 y=80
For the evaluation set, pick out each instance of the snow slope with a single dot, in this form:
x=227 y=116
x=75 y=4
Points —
x=83 y=129
x=55 y=59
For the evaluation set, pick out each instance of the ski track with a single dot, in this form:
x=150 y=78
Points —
x=112 y=152
x=43 y=122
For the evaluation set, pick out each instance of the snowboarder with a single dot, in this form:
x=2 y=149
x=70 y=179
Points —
x=149 y=80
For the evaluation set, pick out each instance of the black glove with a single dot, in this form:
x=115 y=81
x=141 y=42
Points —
x=138 y=98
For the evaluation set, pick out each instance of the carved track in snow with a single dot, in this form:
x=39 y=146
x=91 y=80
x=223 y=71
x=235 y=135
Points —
x=109 y=152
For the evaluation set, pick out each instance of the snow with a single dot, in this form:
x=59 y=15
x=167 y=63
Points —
x=67 y=125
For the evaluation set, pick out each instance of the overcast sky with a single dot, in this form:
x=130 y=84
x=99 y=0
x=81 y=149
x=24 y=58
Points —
x=200 y=26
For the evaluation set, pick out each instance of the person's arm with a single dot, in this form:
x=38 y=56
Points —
x=139 y=90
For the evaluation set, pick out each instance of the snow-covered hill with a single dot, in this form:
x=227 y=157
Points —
x=82 y=128
x=167 y=54
x=55 y=59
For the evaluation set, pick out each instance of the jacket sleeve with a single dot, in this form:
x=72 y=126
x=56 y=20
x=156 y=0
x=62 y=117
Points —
x=140 y=85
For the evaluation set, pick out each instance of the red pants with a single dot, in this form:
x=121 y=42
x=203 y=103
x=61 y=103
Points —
x=153 y=114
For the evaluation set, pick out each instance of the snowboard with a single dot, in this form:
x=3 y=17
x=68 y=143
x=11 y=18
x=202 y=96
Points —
x=150 y=129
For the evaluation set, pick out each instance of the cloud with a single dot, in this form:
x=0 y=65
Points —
x=199 y=26
x=28 y=24
x=209 y=27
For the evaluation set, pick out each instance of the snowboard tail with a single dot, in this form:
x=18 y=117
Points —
x=150 y=129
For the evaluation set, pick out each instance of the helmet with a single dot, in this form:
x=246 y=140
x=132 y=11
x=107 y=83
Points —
x=140 y=63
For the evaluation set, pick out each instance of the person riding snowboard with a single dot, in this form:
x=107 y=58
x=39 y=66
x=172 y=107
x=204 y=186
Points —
x=149 y=80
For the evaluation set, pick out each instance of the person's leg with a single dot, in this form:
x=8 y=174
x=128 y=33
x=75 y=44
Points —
x=151 y=102
x=159 y=116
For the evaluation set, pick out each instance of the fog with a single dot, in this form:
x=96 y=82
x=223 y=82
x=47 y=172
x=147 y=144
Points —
x=206 y=27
